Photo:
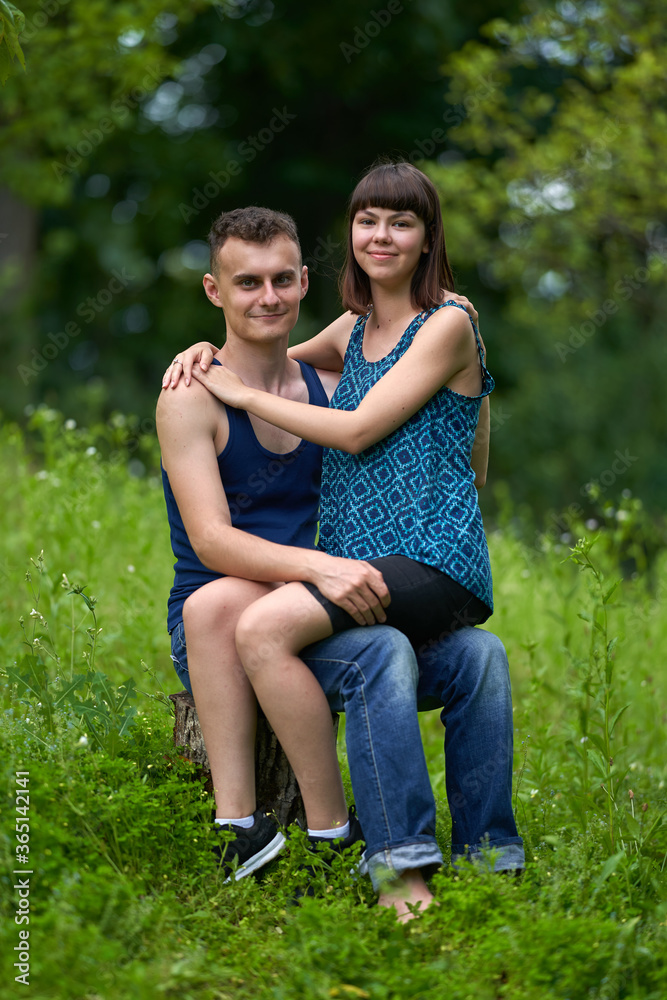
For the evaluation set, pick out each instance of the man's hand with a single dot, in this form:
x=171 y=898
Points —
x=355 y=586
x=203 y=353
x=463 y=301
x=470 y=309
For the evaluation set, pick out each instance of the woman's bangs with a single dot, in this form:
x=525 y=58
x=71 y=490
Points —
x=394 y=187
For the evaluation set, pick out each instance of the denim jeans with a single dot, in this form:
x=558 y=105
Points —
x=372 y=675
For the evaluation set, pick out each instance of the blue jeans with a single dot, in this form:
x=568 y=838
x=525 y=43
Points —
x=372 y=675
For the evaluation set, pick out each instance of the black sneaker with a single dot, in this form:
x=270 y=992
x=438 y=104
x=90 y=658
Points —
x=339 y=844
x=325 y=850
x=250 y=849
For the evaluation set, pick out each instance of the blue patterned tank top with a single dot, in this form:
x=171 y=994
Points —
x=413 y=493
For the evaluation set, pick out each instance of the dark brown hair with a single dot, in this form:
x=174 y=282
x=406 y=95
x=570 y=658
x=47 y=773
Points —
x=401 y=187
x=252 y=224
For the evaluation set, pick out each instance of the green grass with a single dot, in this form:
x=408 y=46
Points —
x=125 y=901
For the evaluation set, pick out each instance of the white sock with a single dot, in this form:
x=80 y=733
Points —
x=245 y=821
x=337 y=831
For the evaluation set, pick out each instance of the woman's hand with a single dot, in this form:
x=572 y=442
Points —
x=201 y=353
x=225 y=385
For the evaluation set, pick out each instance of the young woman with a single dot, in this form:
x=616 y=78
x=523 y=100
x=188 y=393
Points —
x=399 y=480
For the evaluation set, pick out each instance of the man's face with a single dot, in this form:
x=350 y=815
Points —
x=259 y=287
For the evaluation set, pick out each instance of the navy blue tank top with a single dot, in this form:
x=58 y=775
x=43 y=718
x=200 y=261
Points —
x=273 y=496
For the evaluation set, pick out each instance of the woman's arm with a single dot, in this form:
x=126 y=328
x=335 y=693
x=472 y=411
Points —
x=327 y=349
x=443 y=347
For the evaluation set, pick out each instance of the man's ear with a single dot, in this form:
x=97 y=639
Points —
x=211 y=289
x=304 y=280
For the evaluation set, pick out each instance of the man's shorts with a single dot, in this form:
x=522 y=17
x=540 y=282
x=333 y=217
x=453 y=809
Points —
x=179 y=655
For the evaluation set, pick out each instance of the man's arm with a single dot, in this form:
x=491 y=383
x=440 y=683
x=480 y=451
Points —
x=187 y=423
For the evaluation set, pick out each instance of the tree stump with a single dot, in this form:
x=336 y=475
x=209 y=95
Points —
x=277 y=788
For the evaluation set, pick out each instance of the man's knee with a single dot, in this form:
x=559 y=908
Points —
x=198 y=610
x=384 y=659
x=470 y=659
x=395 y=656
x=492 y=660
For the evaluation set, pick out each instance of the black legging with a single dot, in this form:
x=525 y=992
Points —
x=426 y=604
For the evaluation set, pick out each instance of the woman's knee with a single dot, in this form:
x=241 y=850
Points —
x=256 y=638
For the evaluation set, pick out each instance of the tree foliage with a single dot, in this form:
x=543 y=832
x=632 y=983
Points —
x=552 y=190
x=11 y=25
x=136 y=123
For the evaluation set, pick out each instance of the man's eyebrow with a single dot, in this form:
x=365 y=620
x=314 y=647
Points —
x=255 y=277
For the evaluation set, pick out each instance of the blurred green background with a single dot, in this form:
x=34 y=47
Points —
x=544 y=126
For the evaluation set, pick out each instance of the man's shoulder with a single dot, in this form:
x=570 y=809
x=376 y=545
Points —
x=327 y=380
x=192 y=407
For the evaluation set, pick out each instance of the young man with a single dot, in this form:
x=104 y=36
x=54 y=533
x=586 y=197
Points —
x=242 y=501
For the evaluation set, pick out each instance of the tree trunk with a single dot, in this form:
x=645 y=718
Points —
x=277 y=788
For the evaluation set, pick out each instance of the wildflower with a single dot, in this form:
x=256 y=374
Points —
x=96 y=525
x=70 y=424
x=631 y=793
x=42 y=474
x=83 y=741
x=130 y=569
x=92 y=450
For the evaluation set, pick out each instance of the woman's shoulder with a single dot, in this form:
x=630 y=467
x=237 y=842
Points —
x=449 y=320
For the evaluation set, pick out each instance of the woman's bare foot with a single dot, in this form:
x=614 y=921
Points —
x=406 y=891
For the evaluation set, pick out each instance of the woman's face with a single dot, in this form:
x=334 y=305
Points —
x=388 y=244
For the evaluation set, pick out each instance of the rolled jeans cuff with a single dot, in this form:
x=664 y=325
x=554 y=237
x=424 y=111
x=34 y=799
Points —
x=497 y=856
x=390 y=862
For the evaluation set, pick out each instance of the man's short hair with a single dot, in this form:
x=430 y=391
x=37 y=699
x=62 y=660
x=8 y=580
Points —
x=253 y=225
